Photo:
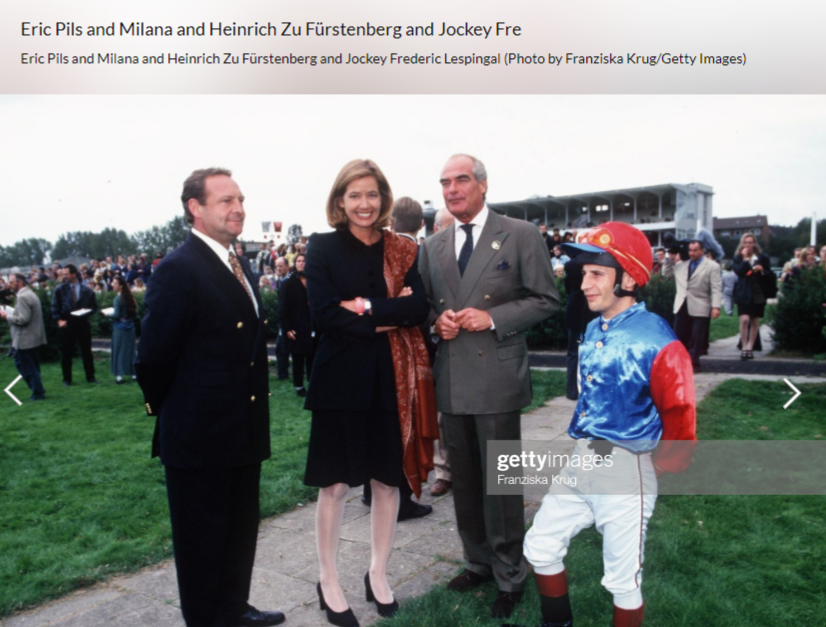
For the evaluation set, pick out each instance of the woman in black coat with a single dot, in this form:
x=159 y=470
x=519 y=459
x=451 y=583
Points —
x=756 y=283
x=359 y=305
x=296 y=326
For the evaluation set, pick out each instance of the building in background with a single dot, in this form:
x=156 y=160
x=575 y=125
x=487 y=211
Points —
x=654 y=209
x=734 y=228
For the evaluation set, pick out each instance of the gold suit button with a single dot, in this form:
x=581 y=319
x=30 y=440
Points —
x=269 y=393
x=604 y=327
x=266 y=321
x=481 y=353
x=590 y=378
x=252 y=363
x=240 y=325
x=442 y=301
x=487 y=296
x=599 y=344
x=252 y=399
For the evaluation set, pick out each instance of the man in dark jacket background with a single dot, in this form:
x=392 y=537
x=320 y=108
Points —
x=71 y=296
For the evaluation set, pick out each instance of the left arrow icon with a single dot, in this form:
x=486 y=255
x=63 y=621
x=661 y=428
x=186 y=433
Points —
x=11 y=385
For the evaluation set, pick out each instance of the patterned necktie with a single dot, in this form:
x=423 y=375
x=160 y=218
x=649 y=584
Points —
x=467 y=248
x=239 y=273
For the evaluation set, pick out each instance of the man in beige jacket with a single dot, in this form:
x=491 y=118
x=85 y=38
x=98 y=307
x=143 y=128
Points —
x=699 y=295
x=27 y=334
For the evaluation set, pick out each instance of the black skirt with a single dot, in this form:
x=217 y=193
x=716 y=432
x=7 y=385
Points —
x=751 y=310
x=353 y=447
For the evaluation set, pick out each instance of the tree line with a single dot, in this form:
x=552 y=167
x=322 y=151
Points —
x=108 y=243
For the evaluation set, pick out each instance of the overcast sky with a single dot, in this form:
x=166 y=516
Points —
x=72 y=163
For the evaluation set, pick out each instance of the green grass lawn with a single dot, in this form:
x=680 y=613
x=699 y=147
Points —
x=724 y=326
x=710 y=561
x=81 y=498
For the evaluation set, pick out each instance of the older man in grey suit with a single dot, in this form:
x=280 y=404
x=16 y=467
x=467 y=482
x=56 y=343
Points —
x=488 y=279
x=28 y=334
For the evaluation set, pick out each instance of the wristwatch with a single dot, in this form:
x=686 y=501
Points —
x=363 y=305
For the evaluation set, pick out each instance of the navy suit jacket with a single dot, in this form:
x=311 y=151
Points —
x=63 y=305
x=202 y=362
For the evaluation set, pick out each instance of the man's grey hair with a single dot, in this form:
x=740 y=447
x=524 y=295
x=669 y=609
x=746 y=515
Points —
x=479 y=171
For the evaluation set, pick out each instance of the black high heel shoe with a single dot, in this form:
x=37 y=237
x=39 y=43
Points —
x=384 y=609
x=340 y=619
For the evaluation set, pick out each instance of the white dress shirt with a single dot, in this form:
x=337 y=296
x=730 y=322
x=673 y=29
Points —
x=478 y=224
x=223 y=254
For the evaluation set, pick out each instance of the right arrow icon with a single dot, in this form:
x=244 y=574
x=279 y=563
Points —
x=793 y=398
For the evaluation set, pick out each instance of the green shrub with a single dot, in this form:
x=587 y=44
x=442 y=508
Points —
x=270 y=313
x=101 y=326
x=551 y=333
x=659 y=294
x=799 y=315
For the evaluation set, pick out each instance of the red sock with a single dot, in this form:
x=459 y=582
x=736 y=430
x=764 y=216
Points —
x=552 y=585
x=628 y=618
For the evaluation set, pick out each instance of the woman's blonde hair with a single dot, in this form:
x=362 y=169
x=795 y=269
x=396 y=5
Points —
x=353 y=171
x=756 y=246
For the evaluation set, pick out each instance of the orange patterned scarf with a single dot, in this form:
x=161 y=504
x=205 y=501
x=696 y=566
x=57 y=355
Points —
x=415 y=393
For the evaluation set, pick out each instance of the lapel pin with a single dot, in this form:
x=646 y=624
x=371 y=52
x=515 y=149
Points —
x=495 y=245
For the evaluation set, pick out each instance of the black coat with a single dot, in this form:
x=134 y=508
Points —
x=351 y=356
x=577 y=313
x=202 y=362
x=63 y=305
x=294 y=315
x=743 y=289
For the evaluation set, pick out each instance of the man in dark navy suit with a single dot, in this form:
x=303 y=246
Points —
x=72 y=296
x=202 y=365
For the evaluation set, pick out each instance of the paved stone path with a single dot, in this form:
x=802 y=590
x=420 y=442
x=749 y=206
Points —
x=426 y=553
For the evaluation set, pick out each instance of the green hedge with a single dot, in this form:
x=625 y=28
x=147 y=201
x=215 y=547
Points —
x=548 y=335
x=659 y=296
x=102 y=326
x=551 y=334
x=799 y=315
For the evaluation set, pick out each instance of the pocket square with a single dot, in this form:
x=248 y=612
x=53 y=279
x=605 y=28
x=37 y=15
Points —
x=503 y=265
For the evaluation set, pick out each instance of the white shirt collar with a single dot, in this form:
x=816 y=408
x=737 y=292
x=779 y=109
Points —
x=222 y=252
x=478 y=224
x=480 y=219
x=410 y=237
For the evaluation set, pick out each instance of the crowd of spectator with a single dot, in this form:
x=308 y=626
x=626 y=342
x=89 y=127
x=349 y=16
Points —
x=99 y=274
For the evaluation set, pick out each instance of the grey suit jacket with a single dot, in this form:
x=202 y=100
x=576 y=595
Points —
x=509 y=275
x=703 y=291
x=26 y=323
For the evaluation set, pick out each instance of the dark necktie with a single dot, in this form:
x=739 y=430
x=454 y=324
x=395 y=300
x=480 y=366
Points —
x=692 y=266
x=467 y=248
x=239 y=273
